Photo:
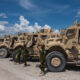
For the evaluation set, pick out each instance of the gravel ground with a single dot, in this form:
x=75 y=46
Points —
x=11 y=71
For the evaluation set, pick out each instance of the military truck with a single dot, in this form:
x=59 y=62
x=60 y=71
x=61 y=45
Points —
x=31 y=39
x=63 y=49
x=5 y=45
x=11 y=43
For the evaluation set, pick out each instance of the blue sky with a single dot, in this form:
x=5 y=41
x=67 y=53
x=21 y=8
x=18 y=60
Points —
x=55 y=13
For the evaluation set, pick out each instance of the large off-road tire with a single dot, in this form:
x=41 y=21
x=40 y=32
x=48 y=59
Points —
x=3 y=53
x=56 y=61
x=14 y=55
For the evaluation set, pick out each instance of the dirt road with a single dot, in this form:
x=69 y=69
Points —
x=10 y=71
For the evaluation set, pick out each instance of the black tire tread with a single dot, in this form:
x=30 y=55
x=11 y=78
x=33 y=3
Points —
x=6 y=54
x=58 y=54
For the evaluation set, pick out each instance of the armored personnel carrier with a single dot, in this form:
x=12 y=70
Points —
x=63 y=49
x=5 y=45
x=31 y=40
x=10 y=44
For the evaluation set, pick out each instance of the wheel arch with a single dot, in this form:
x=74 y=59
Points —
x=19 y=46
x=3 y=46
x=58 y=48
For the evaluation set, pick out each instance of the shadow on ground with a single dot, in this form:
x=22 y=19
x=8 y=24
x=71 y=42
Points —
x=73 y=67
x=69 y=66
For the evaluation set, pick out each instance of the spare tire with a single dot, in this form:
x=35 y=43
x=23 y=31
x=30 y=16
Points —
x=3 y=53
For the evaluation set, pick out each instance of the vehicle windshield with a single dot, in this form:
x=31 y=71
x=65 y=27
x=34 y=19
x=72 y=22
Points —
x=1 y=40
x=70 y=32
x=44 y=30
x=43 y=37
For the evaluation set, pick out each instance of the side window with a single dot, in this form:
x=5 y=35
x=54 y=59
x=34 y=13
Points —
x=43 y=37
x=1 y=40
x=79 y=37
x=79 y=34
x=71 y=33
x=16 y=39
x=35 y=38
x=22 y=38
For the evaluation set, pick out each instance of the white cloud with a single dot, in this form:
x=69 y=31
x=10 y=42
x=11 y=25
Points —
x=23 y=26
x=39 y=10
x=2 y=27
x=46 y=26
x=78 y=14
x=36 y=27
x=26 y=27
x=3 y=15
x=27 y=4
x=56 y=31
x=23 y=21
x=3 y=22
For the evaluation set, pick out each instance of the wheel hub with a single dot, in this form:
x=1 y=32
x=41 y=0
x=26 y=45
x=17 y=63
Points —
x=55 y=61
x=2 y=53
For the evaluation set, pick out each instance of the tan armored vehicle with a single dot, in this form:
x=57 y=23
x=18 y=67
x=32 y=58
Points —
x=31 y=39
x=11 y=42
x=5 y=45
x=63 y=49
x=21 y=38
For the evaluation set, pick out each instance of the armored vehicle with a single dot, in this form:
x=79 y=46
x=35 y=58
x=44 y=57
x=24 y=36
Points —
x=5 y=45
x=11 y=43
x=19 y=41
x=63 y=49
x=31 y=39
